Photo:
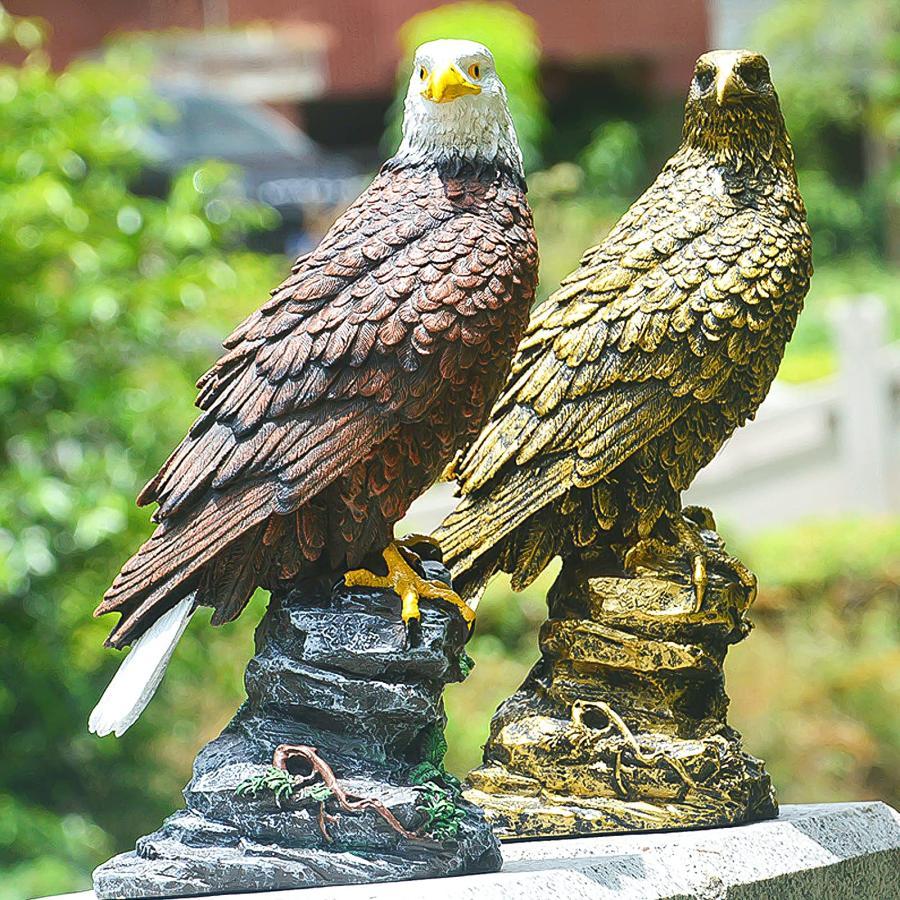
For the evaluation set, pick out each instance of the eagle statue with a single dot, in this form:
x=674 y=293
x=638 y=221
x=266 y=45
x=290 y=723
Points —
x=647 y=358
x=346 y=395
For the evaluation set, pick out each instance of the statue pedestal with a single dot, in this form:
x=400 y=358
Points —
x=333 y=671
x=811 y=851
x=621 y=725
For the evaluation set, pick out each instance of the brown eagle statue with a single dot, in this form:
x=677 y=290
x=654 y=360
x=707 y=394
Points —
x=344 y=397
x=648 y=357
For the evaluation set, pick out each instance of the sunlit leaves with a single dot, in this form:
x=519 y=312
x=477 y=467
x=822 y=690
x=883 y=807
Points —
x=112 y=304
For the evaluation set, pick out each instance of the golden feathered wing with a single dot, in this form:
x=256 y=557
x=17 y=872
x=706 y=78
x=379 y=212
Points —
x=630 y=377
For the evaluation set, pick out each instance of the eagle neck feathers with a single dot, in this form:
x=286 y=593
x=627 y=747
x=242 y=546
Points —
x=455 y=165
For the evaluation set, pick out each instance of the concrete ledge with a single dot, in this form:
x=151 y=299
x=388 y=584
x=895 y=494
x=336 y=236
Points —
x=838 y=851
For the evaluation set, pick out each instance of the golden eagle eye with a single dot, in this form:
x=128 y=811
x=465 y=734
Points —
x=475 y=71
x=753 y=75
x=423 y=72
x=704 y=78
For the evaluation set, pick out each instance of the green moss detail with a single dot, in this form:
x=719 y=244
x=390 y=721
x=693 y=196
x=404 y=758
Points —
x=283 y=786
x=433 y=746
x=466 y=664
x=439 y=806
x=440 y=792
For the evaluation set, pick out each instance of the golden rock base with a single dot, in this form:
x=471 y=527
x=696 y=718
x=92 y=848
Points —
x=621 y=726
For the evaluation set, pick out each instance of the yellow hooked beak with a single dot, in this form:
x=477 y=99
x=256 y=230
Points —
x=727 y=86
x=447 y=84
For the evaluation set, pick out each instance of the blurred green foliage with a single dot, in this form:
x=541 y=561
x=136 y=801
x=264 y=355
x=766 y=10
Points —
x=112 y=304
x=614 y=161
x=836 y=66
x=512 y=38
x=816 y=688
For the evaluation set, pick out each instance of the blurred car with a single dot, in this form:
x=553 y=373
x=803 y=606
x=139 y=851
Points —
x=282 y=167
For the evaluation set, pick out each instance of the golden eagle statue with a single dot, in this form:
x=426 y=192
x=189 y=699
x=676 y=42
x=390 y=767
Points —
x=345 y=396
x=649 y=356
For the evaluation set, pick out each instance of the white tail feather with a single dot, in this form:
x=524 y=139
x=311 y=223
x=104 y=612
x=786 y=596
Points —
x=137 y=679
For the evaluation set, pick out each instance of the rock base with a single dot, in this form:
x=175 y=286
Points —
x=621 y=726
x=333 y=671
x=824 y=851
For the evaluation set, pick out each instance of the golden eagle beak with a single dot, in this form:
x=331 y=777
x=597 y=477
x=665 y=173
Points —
x=447 y=84
x=727 y=86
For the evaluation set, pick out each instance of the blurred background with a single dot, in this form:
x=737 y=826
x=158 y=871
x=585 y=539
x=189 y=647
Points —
x=160 y=162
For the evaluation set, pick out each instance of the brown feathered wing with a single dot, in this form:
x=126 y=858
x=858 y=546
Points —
x=360 y=340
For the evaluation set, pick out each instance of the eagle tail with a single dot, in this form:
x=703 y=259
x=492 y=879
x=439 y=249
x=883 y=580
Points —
x=181 y=567
x=141 y=672
x=523 y=554
x=183 y=557
x=471 y=578
x=480 y=539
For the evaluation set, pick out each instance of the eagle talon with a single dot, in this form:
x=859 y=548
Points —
x=409 y=586
x=409 y=608
x=699 y=580
x=687 y=530
x=688 y=551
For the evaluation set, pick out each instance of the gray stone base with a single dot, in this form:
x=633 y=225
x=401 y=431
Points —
x=334 y=670
x=175 y=866
x=839 y=851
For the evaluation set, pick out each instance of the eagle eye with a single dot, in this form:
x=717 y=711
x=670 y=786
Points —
x=704 y=78
x=752 y=74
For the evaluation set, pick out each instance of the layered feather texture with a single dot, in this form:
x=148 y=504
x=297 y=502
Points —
x=344 y=396
x=652 y=352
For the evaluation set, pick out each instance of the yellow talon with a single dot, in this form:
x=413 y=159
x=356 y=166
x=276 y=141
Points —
x=409 y=586
x=409 y=606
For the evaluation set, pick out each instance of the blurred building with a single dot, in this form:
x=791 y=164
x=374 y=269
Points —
x=331 y=64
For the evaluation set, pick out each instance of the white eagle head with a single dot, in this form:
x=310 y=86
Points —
x=456 y=106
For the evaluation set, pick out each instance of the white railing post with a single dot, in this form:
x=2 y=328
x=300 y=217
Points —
x=860 y=331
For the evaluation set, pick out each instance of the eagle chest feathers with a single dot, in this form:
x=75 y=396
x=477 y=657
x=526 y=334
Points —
x=470 y=291
x=748 y=283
